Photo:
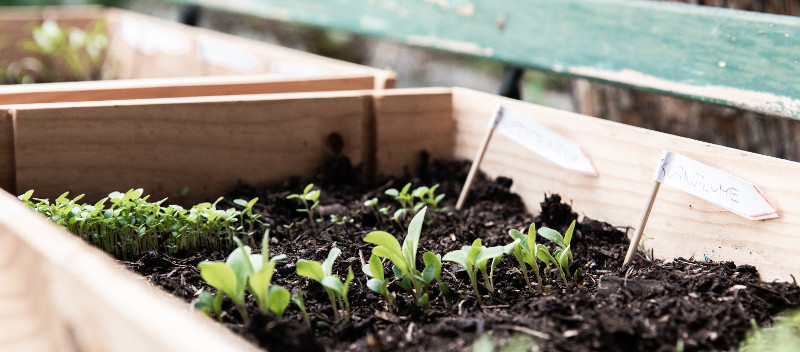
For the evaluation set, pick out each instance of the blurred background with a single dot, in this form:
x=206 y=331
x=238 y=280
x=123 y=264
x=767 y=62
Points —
x=417 y=67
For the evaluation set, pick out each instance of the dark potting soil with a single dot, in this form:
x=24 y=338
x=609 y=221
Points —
x=706 y=305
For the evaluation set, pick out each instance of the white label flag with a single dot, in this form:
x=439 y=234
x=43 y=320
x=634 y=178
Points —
x=543 y=141
x=715 y=186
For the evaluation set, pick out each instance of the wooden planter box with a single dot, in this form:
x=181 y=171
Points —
x=67 y=294
x=152 y=58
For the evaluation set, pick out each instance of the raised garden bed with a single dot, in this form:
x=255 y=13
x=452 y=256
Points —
x=216 y=142
x=146 y=56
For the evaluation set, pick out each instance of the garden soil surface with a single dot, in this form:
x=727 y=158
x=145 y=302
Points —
x=651 y=307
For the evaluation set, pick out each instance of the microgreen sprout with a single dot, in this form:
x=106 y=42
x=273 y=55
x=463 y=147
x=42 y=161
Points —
x=474 y=258
x=310 y=201
x=435 y=260
x=378 y=282
x=298 y=300
x=562 y=257
x=413 y=201
x=526 y=251
x=405 y=258
x=323 y=273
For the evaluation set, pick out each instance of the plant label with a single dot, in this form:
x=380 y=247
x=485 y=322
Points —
x=714 y=186
x=544 y=142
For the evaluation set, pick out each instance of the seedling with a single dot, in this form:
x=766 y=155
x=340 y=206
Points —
x=562 y=256
x=378 y=282
x=526 y=251
x=310 y=200
x=435 y=260
x=245 y=270
x=413 y=201
x=405 y=258
x=297 y=298
x=474 y=258
x=323 y=273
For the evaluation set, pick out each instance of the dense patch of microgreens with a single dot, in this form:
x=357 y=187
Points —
x=131 y=224
x=336 y=290
x=60 y=54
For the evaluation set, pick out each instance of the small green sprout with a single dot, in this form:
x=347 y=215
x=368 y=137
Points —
x=403 y=197
x=435 y=260
x=405 y=258
x=562 y=256
x=300 y=302
x=244 y=270
x=378 y=282
x=379 y=213
x=323 y=273
x=208 y=303
x=413 y=201
x=310 y=200
x=474 y=258
x=526 y=251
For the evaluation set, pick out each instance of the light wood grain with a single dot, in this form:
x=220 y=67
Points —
x=59 y=294
x=626 y=158
x=409 y=122
x=177 y=87
x=162 y=145
x=7 y=167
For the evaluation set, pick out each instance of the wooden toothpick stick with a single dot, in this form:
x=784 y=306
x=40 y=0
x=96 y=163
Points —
x=637 y=236
x=478 y=157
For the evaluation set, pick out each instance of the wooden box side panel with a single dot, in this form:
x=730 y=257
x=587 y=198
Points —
x=626 y=157
x=7 y=166
x=409 y=122
x=163 y=145
x=176 y=87
x=61 y=295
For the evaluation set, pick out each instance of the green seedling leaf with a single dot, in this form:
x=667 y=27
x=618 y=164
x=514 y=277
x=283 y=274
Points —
x=205 y=302
x=333 y=283
x=412 y=238
x=376 y=285
x=553 y=236
x=428 y=273
x=220 y=276
x=327 y=265
x=279 y=298
x=310 y=269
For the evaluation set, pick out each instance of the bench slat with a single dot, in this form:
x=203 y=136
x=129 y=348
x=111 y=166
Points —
x=729 y=57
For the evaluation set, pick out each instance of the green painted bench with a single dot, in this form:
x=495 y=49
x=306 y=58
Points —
x=734 y=58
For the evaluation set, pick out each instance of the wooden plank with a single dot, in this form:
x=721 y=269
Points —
x=7 y=167
x=177 y=87
x=736 y=58
x=626 y=158
x=162 y=145
x=59 y=294
x=409 y=122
